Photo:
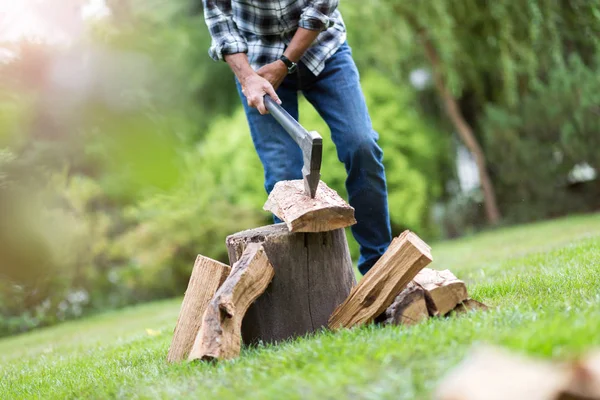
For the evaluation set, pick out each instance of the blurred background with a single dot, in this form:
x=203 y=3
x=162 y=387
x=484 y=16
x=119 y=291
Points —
x=124 y=151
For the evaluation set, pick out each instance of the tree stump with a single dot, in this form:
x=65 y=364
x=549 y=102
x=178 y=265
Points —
x=313 y=275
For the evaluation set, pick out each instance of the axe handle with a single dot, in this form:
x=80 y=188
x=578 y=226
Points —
x=293 y=127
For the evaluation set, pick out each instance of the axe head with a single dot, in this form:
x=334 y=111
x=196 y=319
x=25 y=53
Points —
x=312 y=151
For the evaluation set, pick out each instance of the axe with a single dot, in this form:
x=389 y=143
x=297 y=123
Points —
x=311 y=144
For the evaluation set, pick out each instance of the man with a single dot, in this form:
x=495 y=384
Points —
x=280 y=47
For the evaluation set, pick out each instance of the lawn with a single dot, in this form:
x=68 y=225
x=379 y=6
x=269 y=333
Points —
x=542 y=281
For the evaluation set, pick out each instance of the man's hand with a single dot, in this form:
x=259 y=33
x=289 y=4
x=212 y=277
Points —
x=274 y=72
x=254 y=87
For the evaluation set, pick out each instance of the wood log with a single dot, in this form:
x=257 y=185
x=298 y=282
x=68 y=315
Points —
x=405 y=257
x=467 y=306
x=443 y=291
x=220 y=334
x=326 y=212
x=493 y=374
x=207 y=276
x=313 y=275
x=408 y=308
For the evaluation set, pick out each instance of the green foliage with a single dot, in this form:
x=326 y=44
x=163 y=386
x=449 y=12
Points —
x=523 y=74
x=219 y=194
x=54 y=248
x=555 y=128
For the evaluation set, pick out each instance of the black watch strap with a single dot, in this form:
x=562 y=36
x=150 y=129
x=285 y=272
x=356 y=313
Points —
x=291 y=66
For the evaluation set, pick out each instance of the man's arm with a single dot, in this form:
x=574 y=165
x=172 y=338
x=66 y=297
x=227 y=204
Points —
x=254 y=86
x=226 y=39
x=229 y=45
x=314 y=20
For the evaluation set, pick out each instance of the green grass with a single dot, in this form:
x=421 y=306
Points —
x=542 y=281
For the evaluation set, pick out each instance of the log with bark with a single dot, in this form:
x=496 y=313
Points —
x=443 y=291
x=207 y=276
x=326 y=212
x=220 y=333
x=469 y=305
x=408 y=308
x=313 y=275
x=405 y=257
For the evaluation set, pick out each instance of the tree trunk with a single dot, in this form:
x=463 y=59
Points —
x=464 y=130
x=313 y=275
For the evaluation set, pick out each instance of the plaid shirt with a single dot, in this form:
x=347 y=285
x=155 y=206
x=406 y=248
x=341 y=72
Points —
x=264 y=28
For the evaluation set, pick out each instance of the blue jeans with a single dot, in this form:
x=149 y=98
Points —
x=337 y=96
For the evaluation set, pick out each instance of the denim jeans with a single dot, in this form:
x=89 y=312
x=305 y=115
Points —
x=337 y=96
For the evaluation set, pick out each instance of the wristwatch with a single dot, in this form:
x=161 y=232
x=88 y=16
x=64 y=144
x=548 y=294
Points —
x=291 y=66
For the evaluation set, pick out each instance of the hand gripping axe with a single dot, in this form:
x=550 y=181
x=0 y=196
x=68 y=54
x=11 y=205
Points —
x=311 y=144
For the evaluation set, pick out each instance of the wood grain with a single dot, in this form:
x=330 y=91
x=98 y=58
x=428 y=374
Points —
x=207 y=276
x=408 y=308
x=405 y=257
x=443 y=291
x=326 y=212
x=220 y=333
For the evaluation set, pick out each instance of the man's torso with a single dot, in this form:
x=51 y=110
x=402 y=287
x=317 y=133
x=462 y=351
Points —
x=269 y=25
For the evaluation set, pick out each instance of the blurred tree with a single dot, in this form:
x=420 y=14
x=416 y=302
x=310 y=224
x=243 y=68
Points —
x=487 y=56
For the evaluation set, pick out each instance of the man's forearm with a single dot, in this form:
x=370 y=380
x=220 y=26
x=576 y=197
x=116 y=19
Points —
x=302 y=40
x=240 y=66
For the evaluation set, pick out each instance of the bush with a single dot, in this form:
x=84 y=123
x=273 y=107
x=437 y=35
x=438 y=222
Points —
x=54 y=247
x=534 y=147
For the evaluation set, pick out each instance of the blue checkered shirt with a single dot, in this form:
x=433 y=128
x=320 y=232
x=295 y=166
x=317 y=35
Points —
x=264 y=28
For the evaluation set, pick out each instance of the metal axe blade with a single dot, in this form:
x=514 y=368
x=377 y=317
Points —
x=311 y=144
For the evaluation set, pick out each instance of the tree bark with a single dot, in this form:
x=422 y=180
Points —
x=220 y=334
x=464 y=130
x=443 y=291
x=408 y=308
x=313 y=275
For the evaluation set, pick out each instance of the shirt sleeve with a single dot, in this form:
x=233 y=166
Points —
x=226 y=39
x=315 y=16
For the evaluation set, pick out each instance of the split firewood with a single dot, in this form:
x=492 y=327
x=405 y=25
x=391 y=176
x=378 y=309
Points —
x=408 y=308
x=443 y=291
x=301 y=213
x=493 y=374
x=220 y=333
x=405 y=257
x=469 y=305
x=207 y=276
